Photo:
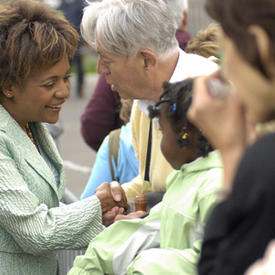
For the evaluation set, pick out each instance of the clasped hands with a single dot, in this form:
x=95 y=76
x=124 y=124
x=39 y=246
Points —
x=114 y=203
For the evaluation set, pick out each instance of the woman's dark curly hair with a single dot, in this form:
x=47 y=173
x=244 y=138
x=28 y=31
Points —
x=178 y=97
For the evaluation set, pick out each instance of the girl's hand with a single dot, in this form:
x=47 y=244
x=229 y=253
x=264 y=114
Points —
x=110 y=216
x=130 y=216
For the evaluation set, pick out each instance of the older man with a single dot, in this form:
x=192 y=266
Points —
x=138 y=51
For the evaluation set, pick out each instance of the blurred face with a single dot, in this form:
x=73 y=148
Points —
x=170 y=148
x=41 y=97
x=125 y=75
x=256 y=92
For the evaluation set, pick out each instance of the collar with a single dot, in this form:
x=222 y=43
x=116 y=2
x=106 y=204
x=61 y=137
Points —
x=188 y=65
x=213 y=160
x=26 y=149
x=177 y=74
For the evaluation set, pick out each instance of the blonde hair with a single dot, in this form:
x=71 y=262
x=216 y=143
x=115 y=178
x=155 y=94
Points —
x=205 y=43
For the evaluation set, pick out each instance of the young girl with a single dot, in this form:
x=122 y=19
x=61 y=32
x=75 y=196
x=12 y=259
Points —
x=171 y=111
x=168 y=240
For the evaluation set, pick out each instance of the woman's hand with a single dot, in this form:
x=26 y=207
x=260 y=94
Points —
x=113 y=200
x=222 y=121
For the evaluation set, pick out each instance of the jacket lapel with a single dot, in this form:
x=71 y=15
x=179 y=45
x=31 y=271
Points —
x=29 y=152
x=49 y=147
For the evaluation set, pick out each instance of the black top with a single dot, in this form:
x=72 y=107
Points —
x=240 y=228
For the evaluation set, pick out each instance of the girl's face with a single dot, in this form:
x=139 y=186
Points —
x=174 y=154
x=256 y=92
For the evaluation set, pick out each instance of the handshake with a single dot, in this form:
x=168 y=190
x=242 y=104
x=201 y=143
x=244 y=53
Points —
x=114 y=203
x=111 y=195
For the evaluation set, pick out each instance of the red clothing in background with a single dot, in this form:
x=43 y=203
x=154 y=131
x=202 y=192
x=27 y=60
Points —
x=101 y=115
x=183 y=38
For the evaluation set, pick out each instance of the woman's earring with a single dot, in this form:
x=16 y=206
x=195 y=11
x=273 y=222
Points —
x=8 y=94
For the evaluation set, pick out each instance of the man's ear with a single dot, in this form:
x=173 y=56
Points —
x=263 y=44
x=149 y=59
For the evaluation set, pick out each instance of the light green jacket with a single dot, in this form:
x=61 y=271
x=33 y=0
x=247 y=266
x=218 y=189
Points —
x=168 y=241
x=32 y=226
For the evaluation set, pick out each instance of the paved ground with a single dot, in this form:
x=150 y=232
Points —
x=78 y=157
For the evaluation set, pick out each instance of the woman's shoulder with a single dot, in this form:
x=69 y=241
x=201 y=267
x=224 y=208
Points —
x=257 y=167
x=262 y=151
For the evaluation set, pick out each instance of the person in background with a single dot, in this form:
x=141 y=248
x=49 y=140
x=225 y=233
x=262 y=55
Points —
x=101 y=114
x=115 y=159
x=242 y=225
x=56 y=130
x=205 y=43
x=182 y=35
x=52 y=3
x=73 y=10
x=136 y=64
x=36 y=43
x=168 y=240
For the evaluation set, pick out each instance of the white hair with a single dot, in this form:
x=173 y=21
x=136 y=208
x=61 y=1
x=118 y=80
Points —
x=178 y=7
x=123 y=27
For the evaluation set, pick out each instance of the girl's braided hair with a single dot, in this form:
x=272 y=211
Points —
x=179 y=97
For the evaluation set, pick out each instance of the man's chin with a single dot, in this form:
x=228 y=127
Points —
x=123 y=94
